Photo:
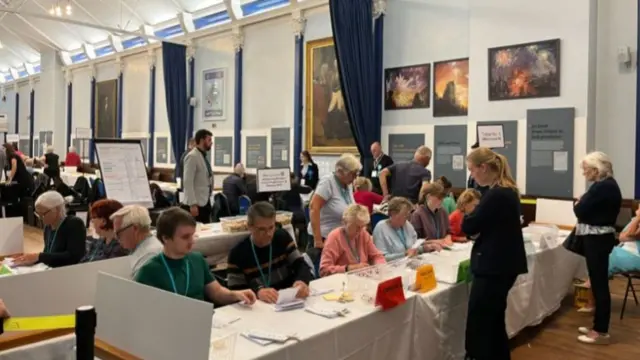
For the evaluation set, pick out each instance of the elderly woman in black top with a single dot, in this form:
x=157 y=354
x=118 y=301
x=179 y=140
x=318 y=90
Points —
x=64 y=235
x=597 y=211
x=498 y=255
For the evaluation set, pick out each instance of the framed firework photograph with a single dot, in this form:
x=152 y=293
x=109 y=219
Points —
x=407 y=87
x=451 y=88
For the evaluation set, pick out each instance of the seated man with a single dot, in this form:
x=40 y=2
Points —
x=234 y=186
x=268 y=260
x=64 y=235
x=132 y=226
x=181 y=271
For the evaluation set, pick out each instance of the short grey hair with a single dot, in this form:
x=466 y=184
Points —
x=50 y=149
x=72 y=149
x=398 y=204
x=600 y=162
x=356 y=212
x=348 y=163
x=424 y=151
x=135 y=215
x=51 y=200
x=260 y=210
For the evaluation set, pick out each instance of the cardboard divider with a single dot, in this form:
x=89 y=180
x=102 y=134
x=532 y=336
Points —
x=559 y=212
x=150 y=323
x=11 y=236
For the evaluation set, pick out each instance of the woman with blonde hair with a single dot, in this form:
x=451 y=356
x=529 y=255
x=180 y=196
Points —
x=597 y=211
x=497 y=257
x=363 y=194
x=396 y=237
x=430 y=220
x=350 y=246
x=467 y=201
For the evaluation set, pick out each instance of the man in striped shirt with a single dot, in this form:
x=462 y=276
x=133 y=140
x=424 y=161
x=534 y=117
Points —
x=268 y=260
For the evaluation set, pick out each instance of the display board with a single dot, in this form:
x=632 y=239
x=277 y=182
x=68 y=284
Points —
x=510 y=137
x=123 y=171
x=223 y=151
x=4 y=123
x=83 y=133
x=402 y=147
x=256 y=152
x=13 y=138
x=273 y=180
x=550 y=153
x=280 y=147
x=162 y=148
x=46 y=137
x=23 y=146
x=449 y=158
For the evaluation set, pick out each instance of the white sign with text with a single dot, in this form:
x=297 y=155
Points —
x=274 y=180
x=491 y=136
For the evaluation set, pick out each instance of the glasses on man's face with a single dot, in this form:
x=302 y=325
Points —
x=41 y=215
x=120 y=231
x=264 y=229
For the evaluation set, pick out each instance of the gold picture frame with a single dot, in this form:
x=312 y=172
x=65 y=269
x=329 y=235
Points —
x=327 y=129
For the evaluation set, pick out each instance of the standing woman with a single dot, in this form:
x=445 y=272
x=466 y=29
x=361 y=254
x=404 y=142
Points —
x=309 y=175
x=597 y=211
x=497 y=258
x=18 y=172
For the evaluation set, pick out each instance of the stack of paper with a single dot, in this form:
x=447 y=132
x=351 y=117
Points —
x=287 y=300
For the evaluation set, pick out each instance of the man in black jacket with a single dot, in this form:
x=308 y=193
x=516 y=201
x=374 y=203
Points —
x=379 y=162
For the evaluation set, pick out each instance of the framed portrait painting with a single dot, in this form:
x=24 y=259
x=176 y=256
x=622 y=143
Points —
x=524 y=71
x=327 y=129
x=451 y=88
x=106 y=105
x=407 y=87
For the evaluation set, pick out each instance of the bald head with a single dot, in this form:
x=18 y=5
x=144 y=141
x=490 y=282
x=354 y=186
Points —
x=423 y=155
x=376 y=150
x=239 y=169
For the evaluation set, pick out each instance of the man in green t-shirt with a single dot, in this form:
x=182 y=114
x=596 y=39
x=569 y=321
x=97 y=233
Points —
x=181 y=271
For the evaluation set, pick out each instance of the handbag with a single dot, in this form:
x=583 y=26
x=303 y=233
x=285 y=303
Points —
x=574 y=243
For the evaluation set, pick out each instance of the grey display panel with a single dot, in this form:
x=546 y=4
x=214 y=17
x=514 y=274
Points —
x=280 y=147
x=403 y=146
x=256 y=150
x=223 y=151
x=450 y=149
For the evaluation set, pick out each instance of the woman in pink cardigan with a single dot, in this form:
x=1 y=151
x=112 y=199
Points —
x=350 y=246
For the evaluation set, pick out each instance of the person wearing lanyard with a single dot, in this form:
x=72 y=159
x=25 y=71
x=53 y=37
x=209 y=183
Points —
x=379 y=162
x=64 y=235
x=350 y=246
x=106 y=246
x=430 y=220
x=198 y=178
x=396 y=237
x=183 y=272
x=267 y=260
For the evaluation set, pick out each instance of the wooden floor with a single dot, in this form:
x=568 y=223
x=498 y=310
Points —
x=554 y=339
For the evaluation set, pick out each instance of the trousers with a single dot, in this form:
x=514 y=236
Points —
x=596 y=251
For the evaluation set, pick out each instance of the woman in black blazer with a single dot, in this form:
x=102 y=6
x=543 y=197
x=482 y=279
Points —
x=497 y=258
x=308 y=175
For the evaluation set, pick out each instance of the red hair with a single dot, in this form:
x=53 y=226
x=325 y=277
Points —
x=103 y=209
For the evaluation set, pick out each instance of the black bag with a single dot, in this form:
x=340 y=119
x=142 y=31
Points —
x=574 y=243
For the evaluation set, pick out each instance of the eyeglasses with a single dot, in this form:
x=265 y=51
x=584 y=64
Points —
x=43 y=214
x=119 y=232
x=264 y=230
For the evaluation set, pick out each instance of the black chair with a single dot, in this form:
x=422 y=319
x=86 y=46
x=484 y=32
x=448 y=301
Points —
x=221 y=207
x=630 y=277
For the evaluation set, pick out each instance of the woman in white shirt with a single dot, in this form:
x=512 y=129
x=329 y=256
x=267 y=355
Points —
x=395 y=237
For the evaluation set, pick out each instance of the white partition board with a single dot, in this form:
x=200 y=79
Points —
x=151 y=323
x=11 y=236
x=124 y=171
x=558 y=212
x=58 y=291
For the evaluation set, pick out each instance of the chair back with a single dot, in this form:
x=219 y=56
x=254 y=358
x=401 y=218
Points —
x=244 y=203
x=376 y=218
x=221 y=205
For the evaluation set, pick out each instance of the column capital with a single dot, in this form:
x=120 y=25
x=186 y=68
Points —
x=191 y=51
x=119 y=65
x=32 y=83
x=379 y=8
x=15 y=86
x=299 y=23
x=151 y=58
x=68 y=76
x=238 y=38
x=93 y=70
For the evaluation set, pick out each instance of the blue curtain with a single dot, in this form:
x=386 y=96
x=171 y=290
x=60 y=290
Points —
x=637 y=177
x=119 y=106
x=32 y=118
x=378 y=74
x=69 y=114
x=92 y=121
x=353 y=36
x=152 y=118
x=297 y=102
x=237 y=122
x=174 y=57
x=192 y=91
x=18 y=112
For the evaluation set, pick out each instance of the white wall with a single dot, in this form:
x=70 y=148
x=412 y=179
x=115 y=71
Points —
x=9 y=107
x=81 y=102
x=24 y=90
x=135 y=107
x=162 y=119
x=106 y=71
x=616 y=89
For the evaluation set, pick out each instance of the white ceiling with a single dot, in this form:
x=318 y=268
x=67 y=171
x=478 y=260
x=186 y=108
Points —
x=24 y=37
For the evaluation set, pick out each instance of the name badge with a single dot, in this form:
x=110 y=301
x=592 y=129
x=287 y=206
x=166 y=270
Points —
x=374 y=174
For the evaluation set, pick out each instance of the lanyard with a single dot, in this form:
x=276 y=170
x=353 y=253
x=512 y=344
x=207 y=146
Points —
x=354 y=251
x=173 y=281
x=344 y=192
x=52 y=240
x=265 y=281
x=95 y=251
x=376 y=162
x=436 y=224
x=403 y=239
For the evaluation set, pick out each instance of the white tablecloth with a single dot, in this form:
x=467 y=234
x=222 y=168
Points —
x=60 y=348
x=215 y=244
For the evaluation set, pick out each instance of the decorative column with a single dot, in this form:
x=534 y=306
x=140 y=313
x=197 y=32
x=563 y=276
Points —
x=92 y=115
x=379 y=9
x=151 y=56
x=32 y=115
x=16 y=89
x=238 y=43
x=299 y=23
x=2 y=96
x=68 y=76
x=191 y=65
x=120 y=65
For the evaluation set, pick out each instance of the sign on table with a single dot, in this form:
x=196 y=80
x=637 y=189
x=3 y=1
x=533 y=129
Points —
x=274 y=180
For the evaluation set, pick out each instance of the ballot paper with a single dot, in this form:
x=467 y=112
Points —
x=417 y=244
x=221 y=320
x=287 y=300
x=255 y=340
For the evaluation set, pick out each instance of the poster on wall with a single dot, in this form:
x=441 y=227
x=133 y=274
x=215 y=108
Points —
x=4 y=123
x=256 y=152
x=522 y=71
x=550 y=152
x=402 y=147
x=213 y=94
x=451 y=88
x=407 y=87
x=327 y=125
x=223 y=150
x=280 y=147
x=449 y=154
